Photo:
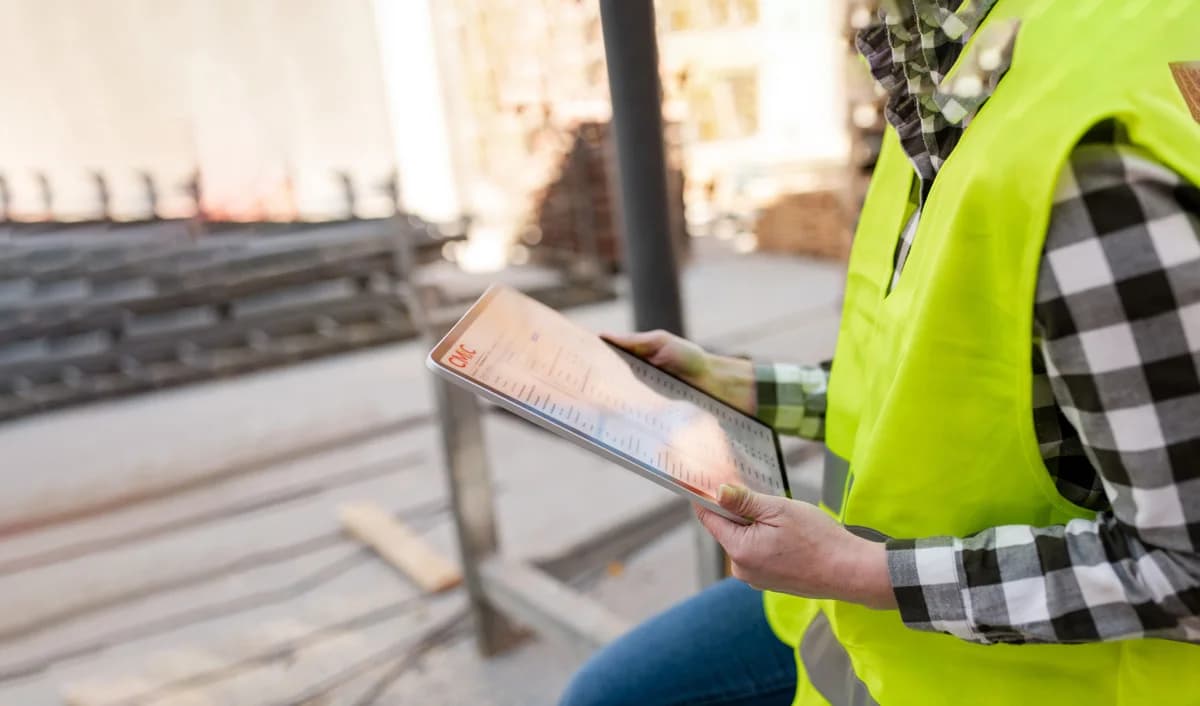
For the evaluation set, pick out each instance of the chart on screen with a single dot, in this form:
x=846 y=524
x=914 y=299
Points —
x=565 y=374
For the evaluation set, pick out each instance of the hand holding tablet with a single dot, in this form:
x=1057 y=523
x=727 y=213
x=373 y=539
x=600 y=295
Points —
x=533 y=361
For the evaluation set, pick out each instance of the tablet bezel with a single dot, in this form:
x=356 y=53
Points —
x=579 y=438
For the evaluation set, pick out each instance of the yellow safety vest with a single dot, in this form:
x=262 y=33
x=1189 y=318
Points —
x=929 y=422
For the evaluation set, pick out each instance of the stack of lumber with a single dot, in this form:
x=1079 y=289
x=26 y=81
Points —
x=577 y=214
x=809 y=223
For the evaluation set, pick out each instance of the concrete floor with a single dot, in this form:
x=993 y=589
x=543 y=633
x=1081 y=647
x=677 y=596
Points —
x=219 y=574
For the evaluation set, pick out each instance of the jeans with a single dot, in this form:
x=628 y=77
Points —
x=713 y=649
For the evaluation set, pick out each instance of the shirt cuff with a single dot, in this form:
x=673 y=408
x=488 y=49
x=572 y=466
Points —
x=791 y=398
x=927 y=580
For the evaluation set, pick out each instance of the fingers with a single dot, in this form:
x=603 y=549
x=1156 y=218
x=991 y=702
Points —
x=744 y=502
x=640 y=343
x=661 y=357
x=720 y=528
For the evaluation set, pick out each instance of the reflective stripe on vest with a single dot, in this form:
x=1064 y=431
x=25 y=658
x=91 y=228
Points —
x=828 y=666
x=833 y=481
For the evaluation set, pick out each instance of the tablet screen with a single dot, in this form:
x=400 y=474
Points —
x=562 y=375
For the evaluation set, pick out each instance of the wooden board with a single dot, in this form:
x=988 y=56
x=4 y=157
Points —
x=400 y=546
x=551 y=607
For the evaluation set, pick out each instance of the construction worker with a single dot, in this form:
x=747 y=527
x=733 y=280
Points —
x=1011 y=502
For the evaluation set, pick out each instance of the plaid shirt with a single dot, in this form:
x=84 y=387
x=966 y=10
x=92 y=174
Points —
x=1116 y=359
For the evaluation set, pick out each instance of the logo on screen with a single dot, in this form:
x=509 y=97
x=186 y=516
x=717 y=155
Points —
x=461 y=356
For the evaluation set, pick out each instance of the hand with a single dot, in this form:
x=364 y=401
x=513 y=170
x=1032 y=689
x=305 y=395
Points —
x=665 y=350
x=727 y=379
x=793 y=547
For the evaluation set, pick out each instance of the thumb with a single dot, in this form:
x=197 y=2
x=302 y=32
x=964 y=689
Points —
x=639 y=343
x=746 y=503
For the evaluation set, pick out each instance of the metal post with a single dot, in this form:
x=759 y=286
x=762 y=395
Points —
x=349 y=196
x=47 y=195
x=5 y=199
x=151 y=190
x=632 y=55
x=474 y=518
x=631 y=51
x=103 y=195
x=463 y=454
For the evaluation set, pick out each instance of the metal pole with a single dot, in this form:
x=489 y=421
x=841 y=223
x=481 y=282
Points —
x=631 y=51
x=464 y=456
x=474 y=519
x=632 y=55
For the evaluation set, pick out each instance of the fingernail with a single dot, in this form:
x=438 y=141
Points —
x=729 y=493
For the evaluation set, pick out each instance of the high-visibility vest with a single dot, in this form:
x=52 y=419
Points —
x=929 y=424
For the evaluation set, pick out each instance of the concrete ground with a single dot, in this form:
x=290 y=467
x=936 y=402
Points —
x=218 y=574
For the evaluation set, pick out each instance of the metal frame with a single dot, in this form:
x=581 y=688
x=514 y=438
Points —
x=505 y=594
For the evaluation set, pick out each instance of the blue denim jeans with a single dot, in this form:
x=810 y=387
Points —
x=714 y=649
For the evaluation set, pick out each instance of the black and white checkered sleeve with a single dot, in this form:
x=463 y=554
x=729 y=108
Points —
x=791 y=398
x=1118 y=307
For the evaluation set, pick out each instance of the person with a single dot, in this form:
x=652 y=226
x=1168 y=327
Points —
x=1010 y=508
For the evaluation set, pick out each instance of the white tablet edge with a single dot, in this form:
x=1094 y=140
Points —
x=578 y=439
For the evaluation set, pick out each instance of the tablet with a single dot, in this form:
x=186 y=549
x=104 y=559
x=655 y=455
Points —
x=526 y=357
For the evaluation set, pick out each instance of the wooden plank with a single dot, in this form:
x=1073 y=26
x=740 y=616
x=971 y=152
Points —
x=402 y=547
x=550 y=607
x=158 y=576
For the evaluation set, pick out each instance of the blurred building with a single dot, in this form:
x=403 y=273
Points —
x=757 y=84
x=754 y=87
x=269 y=99
x=283 y=106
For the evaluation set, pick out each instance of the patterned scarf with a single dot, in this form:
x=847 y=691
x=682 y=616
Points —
x=914 y=52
